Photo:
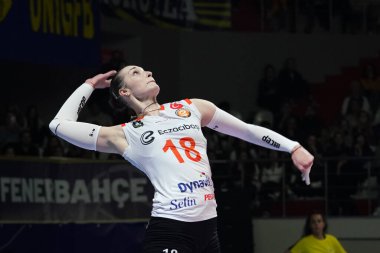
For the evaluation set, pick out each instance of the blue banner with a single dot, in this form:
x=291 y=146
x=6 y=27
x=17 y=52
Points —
x=50 y=31
x=67 y=190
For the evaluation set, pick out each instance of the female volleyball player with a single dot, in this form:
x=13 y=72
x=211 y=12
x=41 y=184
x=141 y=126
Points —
x=165 y=141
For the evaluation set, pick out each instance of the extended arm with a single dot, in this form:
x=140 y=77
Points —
x=223 y=122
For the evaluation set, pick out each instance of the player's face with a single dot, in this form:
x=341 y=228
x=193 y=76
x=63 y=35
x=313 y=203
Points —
x=317 y=224
x=140 y=82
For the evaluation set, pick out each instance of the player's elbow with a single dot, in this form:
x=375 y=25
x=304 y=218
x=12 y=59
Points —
x=53 y=125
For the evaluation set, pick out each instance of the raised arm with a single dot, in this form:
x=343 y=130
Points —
x=86 y=135
x=223 y=122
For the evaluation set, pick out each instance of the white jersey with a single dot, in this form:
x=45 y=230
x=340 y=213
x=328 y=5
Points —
x=171 y=150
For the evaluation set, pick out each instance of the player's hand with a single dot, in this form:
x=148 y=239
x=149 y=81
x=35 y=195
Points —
x=101 y=81
x=303 y=160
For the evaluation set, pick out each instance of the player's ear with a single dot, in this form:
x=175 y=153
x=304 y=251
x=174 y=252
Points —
x=124 y=92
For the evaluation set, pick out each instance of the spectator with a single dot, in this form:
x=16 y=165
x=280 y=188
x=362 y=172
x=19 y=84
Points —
x=37 y=128
x=242 y=156
x=364 y=127
x=26 y=147
x=370 y=81
x=271 y=171
x=291 y=82
x=311 y=124
x=54 y=147
x=356 y=100
x=315 y=237
x=10 y=131
x=268 y=90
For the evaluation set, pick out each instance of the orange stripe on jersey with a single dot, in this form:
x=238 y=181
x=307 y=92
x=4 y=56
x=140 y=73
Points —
x=139 y=118
x=188 y=101
x=162 y=107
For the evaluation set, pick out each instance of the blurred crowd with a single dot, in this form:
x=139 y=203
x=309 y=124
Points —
x=347 y=150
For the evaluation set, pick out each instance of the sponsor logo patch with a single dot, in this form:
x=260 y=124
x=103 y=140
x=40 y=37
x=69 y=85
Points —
x=183 y=112
x=182 y=203
x=271 y=142
x=209 y=196
x=178 y=129
x=191 y=186
x=137 y=124
x=81 y=104
x=147 y=138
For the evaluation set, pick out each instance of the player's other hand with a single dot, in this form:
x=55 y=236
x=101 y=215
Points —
x=101 y=81
x=303 y=160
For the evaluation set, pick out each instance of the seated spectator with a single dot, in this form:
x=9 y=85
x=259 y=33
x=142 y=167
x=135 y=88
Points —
x=54 y=147
x=315 y=237
x=365 y=127
x=356 y=100
x=351 y=172
x=271 y=170
x=10 y=131
x=370 y=81
x=26 y=147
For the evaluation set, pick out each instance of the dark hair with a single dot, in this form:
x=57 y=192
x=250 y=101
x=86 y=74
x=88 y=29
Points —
x=307 y=227
x=114 y=98
x=121 y=109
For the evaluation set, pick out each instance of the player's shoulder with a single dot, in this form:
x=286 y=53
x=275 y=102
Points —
x=183 y=101
x=202 y=103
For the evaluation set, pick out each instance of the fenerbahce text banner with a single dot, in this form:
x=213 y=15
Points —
x=55 y=191
x=50 y=31
x=187 y=14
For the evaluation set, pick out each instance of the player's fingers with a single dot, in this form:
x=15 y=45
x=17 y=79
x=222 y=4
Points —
x=110 y=73
x=306 y=176
x=307 y=179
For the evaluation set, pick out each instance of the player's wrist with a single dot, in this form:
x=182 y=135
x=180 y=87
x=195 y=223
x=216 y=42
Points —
x=90 y=83
x=295 y=148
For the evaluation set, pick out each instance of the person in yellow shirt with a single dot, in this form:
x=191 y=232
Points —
x=315 y=239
